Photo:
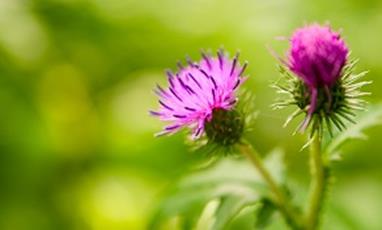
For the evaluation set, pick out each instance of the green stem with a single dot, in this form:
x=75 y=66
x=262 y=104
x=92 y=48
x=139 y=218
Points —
x=318 y=184
x=279 y=197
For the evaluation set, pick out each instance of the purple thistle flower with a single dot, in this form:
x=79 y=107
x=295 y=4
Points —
x=198 y=90
x=317 y=56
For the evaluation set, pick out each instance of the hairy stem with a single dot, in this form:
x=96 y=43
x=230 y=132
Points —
x=280 y=199
x=318 y=185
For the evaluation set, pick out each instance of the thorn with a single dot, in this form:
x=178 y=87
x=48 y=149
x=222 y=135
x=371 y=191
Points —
x=276 y=55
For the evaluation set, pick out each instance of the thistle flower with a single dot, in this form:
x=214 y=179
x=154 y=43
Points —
x=202 y=97
x=325 y=89
x=317 y=55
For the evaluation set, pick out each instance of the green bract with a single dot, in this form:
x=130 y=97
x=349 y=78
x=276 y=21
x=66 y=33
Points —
x=336 y=105
x=225 y=128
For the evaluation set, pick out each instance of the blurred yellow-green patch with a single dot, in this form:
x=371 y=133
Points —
x=76 y=76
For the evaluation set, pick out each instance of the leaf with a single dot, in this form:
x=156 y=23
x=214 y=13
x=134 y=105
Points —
x=233 y=183
x=371 y=118
x=229 y=207
x=274 y=162
x=264 y=213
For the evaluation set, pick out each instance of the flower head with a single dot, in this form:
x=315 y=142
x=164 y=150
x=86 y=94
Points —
x=200 y=92
x=317 y=55
x=326 y=88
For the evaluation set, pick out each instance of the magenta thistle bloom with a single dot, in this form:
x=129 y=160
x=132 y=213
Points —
x=197 y=91
x=326 y=88
x=317 y=56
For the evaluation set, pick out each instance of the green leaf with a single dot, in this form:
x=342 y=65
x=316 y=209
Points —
x=233 y=183
x=229 y=207
x=264 y=214
x=371 y=118
x=274 y=162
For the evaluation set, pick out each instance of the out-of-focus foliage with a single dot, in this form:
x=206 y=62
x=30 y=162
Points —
x=355 y=131
x=76 y=144
x=212 y=198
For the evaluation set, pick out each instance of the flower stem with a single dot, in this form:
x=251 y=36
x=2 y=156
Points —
x=319 y=182
x=279 y=197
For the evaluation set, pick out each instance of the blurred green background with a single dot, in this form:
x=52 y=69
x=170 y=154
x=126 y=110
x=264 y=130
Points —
x=76 y=144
